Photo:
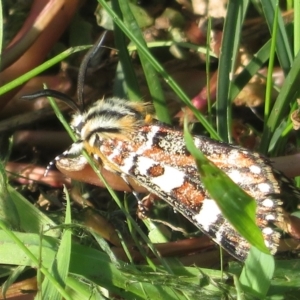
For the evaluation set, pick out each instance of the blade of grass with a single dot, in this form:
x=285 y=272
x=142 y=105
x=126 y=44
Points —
x=85 y=262
x=283 y=48
x=13 y=277
x=106 y=248
x=278 y=140
x=152 y=79
x=120 y=88
x=133 y=234
x=1 y=30
x=255 y=64
x=287 y=95
x=156 y=44
x=236 y=206
x=296 y=27
x=36 y=71
x=33 y=220
x=34 y=259
x=239 y=289
x=207 y=69
x=236 y=11
x=61 y=262
x=13 y=255
x=286 y=280
x=168 y=79
x=285 y=283
x=131 y=81
x=95 y=266
x=257 y=273
x=8 y=210
x=269 y=86
x=81 y=288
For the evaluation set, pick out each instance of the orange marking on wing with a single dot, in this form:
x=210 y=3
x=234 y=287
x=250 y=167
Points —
x=156 y=171
x=189 y=195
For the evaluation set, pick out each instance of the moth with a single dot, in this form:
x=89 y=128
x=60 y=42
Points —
x=124 y=137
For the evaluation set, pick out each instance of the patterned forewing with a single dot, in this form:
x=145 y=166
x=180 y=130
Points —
x=157 y=158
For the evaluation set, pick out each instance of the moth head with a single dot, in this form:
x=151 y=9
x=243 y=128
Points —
x=111 y=118
x=105 y=119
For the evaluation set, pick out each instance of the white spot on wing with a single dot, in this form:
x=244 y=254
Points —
x=171 y=178
x=235 y=176
x=219 y=236
x=233 y=157
x=268 y=203
x=116 y=151
x=270 y=217
x=149 y=143
x=127 y=163
x=255 y=169
x=267 y=230
x=144 y=164
x=208 y=214
x=264 y=187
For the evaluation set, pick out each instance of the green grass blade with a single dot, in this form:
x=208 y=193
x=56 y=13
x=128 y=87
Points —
x=132 y=87
x=255 y=64
x=207 y=69
x=153 y=82
x=34 y=258
x=33 y=220
x=8 y=210
x=13 y=277
x=296 y=27
x=94 y=265
x=60 y=264
x=1 y=30
x=168 y=79
x=258 y=272
x=285 y=283
x=12 y=254
x=231 y=37
x=236 y=206
x=287 y=95
x=106 y=248
x=190 y=46
x=80 y=288
x=283 y=48
x=36 y=71
x=269 y=86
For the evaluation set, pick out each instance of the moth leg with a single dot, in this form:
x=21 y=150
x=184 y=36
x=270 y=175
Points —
x=136 y=194
x=144 y=204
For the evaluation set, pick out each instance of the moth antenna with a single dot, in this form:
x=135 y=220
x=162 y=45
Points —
x=49 y=166
x=55 y=94
x=74 y=150
x=84 y=65
x=53 y=161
